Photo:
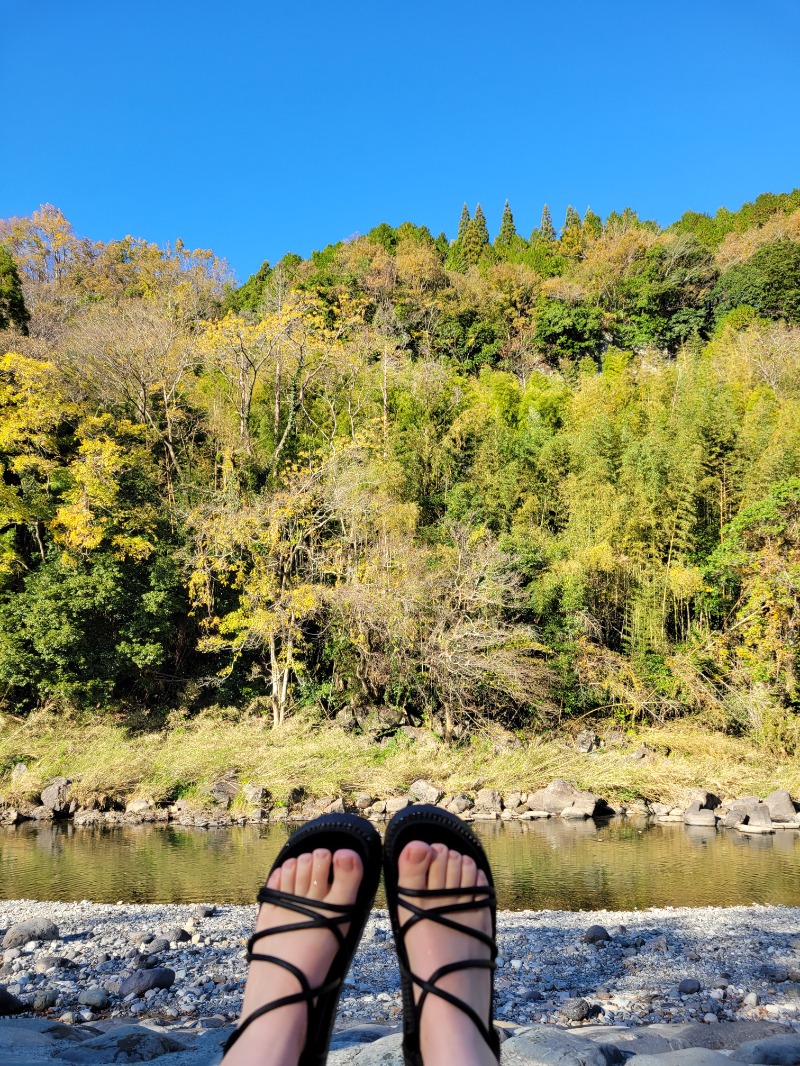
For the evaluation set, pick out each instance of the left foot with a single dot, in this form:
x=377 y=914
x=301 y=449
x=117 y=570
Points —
x=278 y=1037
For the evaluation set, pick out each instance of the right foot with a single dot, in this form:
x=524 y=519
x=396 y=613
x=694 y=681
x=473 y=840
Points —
x=277 y=1038
x=447 y=1034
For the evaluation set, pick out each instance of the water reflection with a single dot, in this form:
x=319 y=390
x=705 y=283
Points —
x=616 y=864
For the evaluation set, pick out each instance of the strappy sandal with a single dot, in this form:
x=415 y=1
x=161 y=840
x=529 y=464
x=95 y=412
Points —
x=432 y=825
x=334 y=832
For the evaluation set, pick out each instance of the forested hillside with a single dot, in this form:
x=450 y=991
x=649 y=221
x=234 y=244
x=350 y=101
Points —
x=410 y=479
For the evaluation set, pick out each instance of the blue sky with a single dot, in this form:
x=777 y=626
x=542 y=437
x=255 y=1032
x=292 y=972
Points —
x=255 y=128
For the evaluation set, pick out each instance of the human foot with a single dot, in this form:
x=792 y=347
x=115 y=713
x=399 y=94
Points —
x=447 y=1033
x=278 y=1037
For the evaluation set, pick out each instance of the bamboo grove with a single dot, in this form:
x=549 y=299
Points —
x=457 y=484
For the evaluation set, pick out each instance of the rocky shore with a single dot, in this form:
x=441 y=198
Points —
x=85 y=979
x=230 y=802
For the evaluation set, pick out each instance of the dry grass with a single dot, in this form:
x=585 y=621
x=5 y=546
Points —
x=183 y=759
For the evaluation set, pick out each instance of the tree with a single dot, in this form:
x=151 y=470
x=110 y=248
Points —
x=476 y=238
x=546 y=231
x=571 y=234
x=592 y=225
x=769 y=282
x=463 y=224
x=507 y=229
x=13 y=312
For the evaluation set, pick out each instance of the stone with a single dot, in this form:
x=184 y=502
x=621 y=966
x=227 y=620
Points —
x=596 y=934
x=205 y=910
x=385 y=1051
x=759 y=815
x=771 y=1050
x=560 y=795
x=141 y=981
x=422 y=791
x=687 y=1057
x=363 y=800
x=55 y=795
x=780 y=806
x=42 y=814
x=159 y=943
x=751 y=999
x=223 y=791
x=127 y=1043
x=9 y=1004
x=733 y=819
x=697 y=815
x=96 y=998
x=177 y=935
x=256 y=796
x=334 y=806
x=138 y=806
x=397 y=803
x=575 y=1010
x=488 y=799
x=460 y=804
x=689 y=986
x=358 y=1035
x=587 y=740
x=32 y=929
x=45 y=999
x=546 y=1046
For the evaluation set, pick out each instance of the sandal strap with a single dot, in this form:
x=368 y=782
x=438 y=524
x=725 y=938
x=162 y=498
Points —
x=340 y=914
x=441 y=916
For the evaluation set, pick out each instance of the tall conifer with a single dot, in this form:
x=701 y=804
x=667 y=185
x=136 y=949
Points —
x=476 y=239
x=507 y=228
x=571 y=233
x=463 y=224
x=547 y=231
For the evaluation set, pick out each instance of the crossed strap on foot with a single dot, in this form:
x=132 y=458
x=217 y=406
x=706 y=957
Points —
x=439 y=915
x=341 y=914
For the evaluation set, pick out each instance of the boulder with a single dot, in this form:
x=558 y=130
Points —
x=596 y=934
x=363 y=800
x=689 y=986
x=488 y=799
x=141 y=981
x=126 y=1043
x=546 y=1046
x=759 y=815
x=697 y=815
x=222 y=792
x=733 y=818
x=422 y=791
x=397 y=803
x=10 y=1004
x=780 y=806
x=559 y=795
x=55 y=795
x=687 y=1057
x=257 y=796
x=96 y=998
x=772 y=1050
x=32 y=929
x=575 y=1010
x=708 y=800
x=587 y=740
x=460 y=804
x=138 y=806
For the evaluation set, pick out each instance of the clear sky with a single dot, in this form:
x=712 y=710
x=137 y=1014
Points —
x=254 y=127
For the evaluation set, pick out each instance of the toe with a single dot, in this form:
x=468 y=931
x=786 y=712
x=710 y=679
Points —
x=302 y=879
x=413 y=865
x=288 y=872
x=320 y=874
x=347 y=873
x=469 y=872
x=453 y=872
x=437 y=874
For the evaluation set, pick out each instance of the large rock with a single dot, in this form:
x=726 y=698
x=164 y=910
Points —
x=142 y=981
x=10 y=1004
x=759 y=816
x=488 y=799
x=687 y=1057
x=587 y=740
x=697 y=815
x=127 y=1043
x=559 y=795
x=544 y=1045
x=422 y=791
x=780 y=806
x=384 y=1052
x=777 y=1050
x=55 y=795
x=32 y=929
x=223 y=791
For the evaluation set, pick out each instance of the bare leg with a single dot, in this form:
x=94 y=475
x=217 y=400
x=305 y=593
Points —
x=447 y=1035
x=277 y=1038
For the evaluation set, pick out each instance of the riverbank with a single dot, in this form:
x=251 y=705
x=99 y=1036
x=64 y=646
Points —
x=182 y=967
x=110 y=763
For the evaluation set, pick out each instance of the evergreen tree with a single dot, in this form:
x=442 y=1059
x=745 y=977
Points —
x=507 y=229
x=463 y=224
x=476 y=239
x=13 y=311
x=547 y=231
x=571 y=233
x=592 y=225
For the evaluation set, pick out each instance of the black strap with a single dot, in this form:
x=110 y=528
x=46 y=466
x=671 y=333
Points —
x=440 y=916
x=310 y=909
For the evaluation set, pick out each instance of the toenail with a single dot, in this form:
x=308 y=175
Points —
x=345 y=862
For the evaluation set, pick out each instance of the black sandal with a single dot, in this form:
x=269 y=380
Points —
x=332 y=831
x=432 y=825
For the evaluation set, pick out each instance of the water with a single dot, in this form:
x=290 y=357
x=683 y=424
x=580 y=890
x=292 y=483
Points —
x=618 y=864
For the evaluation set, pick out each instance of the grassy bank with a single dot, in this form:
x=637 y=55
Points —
x=180 y=760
